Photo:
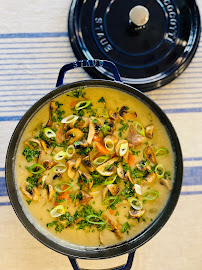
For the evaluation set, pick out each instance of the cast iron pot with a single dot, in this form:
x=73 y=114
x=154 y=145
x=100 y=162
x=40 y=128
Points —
x=130 y=245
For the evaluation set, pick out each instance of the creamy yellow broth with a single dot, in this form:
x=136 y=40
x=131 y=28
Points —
x=90 y=236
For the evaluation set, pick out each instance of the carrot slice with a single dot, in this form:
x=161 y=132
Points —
x=101 y=148
x=63 y=195
x=97 y=139
x=111 y=211
x=73 y=103
x=131 y=159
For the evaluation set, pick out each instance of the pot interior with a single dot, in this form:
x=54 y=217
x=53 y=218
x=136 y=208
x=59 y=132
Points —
x=80 y=251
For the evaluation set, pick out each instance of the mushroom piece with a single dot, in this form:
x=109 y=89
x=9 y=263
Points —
x=104 y=192
x=26 y=193
x=121 y=173
x=86 y=179
x=71 y=169
x=112 y=127
x=88 y=164
x=78 y=162
x=107 y=168
x=83 y=122
x=85 y=197
x=33 y=143
x=100 y=238
x=115 y=228
x=44 y=146
x=98 y=126
x=113 y=115
x=136 y=213
x=134 y=138
x=165 y=183
x=35 y=194
x=50 y=192
x=60 y=136
x=49 y=164
x=117 y=148
x=129 y=177
x=113 y=189
x=149 y=131
x=141 y=166
x=151 y=177
x=41 y=182
x=53 y=107
x=149 y=155
x=91 y=132
x=39 y=157
x=73 y=135
x=125 y=115
x=112 y=137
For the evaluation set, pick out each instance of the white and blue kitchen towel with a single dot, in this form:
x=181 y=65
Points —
x=34 y=45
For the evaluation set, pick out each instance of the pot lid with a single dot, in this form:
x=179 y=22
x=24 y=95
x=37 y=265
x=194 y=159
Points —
x=150 y=41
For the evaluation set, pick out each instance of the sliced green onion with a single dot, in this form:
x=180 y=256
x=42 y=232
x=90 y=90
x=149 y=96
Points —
x=151 y=195
x=159 y=170
x=36 y=166
x=100 y=160
x=101 y=112
x=59 y=168
x=70 y=151
x=57 y=211
x=123 y=149
x=110 y=180
x=70 y=119
x=109 y=144
x=82 y=104
x=59 y=188
x=138 y=189
x=140 y=129
x=162 y=152
x=60 y=155
x=102 y=221
x=49 y=133
x=109 y=199
x=135 y=203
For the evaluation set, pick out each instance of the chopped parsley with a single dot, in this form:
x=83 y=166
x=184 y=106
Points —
x=102 y=100
x=125 y=227
x=30 y=154
x=77 y=93
x=124 y=127
x=32 y=180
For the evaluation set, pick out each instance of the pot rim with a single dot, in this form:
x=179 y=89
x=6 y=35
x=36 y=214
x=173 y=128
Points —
x=109 y=251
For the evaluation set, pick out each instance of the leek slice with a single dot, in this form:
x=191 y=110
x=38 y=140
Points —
x=35 y=166
x=138 y=189
x=60 y=155
x=100 y=160
x=82 y=104
x=110 y=180
x=148 y=195
x=70 y=151
x=69 y=119
x=159 y=170
x=59 y=189
x=140 y=129
x=57 y=211
x=162 y=152
x=59 y=168
x=101 y=112
x=123 y=149
x=49 y=133
x=135 y=203
x=109 y=144
x=100 y=222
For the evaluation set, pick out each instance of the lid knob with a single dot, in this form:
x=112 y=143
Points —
x=139 y=15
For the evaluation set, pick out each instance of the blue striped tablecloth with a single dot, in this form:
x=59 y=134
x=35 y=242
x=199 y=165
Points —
x=34 y=45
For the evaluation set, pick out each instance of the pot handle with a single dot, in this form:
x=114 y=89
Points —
x=88 y=63
x=127 y=266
